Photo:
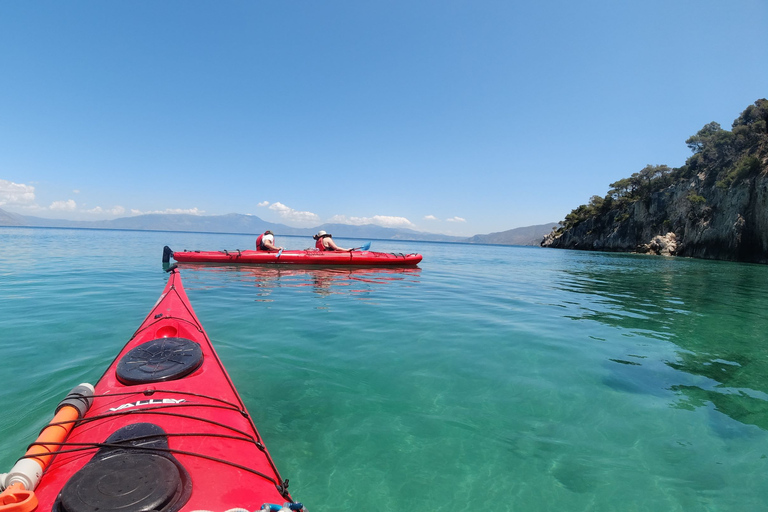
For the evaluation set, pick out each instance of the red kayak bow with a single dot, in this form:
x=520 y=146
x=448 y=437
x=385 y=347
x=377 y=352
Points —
x=166 y=431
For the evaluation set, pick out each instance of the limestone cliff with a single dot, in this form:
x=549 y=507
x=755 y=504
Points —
x=714 y=207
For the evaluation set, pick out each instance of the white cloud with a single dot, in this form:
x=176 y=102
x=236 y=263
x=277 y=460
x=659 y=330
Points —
x=289 y=213
x=430 y=217
x=115 y=210
x=378 y=220
x=65 y=206
x=16 y=194
x=76 y=191
x=456 y=219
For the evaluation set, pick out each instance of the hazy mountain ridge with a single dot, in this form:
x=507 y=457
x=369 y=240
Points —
x=528 y=235
x=251 y=224
x=10 y=219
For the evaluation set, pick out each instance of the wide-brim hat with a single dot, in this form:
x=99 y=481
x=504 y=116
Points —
x=320 y=234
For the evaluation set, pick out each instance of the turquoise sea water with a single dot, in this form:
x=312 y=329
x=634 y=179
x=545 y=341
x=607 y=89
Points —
x=488 y=378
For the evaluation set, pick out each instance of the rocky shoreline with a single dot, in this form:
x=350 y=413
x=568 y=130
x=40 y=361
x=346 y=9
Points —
x=726 y=225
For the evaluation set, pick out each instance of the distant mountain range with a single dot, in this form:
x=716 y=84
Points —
x=529 y=235
x=251 y=224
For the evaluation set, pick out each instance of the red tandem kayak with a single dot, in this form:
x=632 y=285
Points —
x=164 y=430
x=308 y=257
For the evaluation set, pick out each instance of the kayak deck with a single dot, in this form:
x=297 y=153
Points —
x=166 y=431
x=305 y=257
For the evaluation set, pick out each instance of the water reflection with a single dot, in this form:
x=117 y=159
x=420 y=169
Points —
x=714 y=313
x=324 y=281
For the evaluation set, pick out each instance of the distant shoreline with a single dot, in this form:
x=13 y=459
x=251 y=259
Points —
x=388 y=240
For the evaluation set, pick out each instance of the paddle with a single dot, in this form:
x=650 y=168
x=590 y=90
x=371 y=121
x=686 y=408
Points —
x=363 y=247
x=278 y=254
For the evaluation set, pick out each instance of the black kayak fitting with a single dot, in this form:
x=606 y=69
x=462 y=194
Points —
x=137 y=473
x=159 y=360
x=167 y=253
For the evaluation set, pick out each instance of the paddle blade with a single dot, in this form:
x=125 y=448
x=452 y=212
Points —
x=279 y=253
x=365 y=247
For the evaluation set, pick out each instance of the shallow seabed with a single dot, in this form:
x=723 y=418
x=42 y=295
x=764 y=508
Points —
x=504 y=378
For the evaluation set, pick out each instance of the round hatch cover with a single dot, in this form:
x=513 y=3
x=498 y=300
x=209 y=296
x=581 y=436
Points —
x=135 y=472
x=135 y=482
x=159 y=360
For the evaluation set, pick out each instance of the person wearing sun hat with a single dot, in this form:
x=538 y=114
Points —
x=324 y=242
x=266 y=242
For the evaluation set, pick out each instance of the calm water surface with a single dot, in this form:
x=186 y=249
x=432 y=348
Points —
x=503 y=378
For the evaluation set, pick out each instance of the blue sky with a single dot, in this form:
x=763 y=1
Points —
x=456 y=117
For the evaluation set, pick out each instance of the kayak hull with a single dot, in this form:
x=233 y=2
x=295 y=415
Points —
x=308 y=257
x=168 y=395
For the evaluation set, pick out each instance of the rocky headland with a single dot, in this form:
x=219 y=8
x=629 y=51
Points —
x=714 y=207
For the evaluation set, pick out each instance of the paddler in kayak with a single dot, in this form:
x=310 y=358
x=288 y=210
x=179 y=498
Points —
x=324 y=242
x=266 y=242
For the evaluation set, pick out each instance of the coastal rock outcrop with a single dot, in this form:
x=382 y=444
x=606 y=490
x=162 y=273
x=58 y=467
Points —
x=688 y=219
x=714 y=207
x=660 y=245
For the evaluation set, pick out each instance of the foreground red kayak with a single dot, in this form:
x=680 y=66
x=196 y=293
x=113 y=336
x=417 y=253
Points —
x=308 y=257
x=163 y=430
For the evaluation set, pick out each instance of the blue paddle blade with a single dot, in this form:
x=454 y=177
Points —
x=364 y=247
x=279 y=253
